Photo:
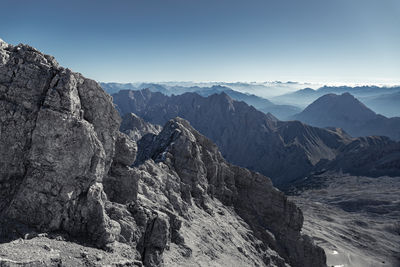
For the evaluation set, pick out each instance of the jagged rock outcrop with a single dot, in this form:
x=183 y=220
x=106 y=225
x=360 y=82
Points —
x=57 y=140
x=135 y=127
x=247 y=137
x=284 y=151
x=171 y=199
x=199 y=176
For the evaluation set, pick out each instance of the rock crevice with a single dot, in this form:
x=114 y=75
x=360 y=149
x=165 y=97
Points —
x=170 y=197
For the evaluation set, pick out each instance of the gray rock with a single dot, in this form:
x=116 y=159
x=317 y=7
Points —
x=283 y=150
x=57 y=135
x=66 y=168
x=135 y=127
x=247 y=137
x=201 y=174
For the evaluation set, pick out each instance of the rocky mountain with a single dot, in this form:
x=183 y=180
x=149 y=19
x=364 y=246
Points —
x=284 y=151
x=135 y=127
x=300 y=98
x=347 y=112
x=170 y=199
x=371 y=156
x=245 y=136
x=155 y=88
x=282 y=112
x=202 y=176
x=378 y=98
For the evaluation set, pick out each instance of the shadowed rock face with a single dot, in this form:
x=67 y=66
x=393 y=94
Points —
x=135 y=127
x=247 y=137
x=202 y=175
x=284 y=151
x=66 y=168
x=373 y=156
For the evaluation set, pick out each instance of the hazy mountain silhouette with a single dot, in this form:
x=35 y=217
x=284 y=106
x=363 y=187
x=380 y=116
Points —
x=282 y=112
x=383 y=100
x=387 y=104
x=113 y=88
x=347 y=112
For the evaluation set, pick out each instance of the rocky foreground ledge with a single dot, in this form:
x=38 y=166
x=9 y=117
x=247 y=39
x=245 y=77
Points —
x=169 y=199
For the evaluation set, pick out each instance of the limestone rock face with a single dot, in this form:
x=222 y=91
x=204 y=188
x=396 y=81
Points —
x=283 y=150
x=121 y=183
x=171 y=198
x=247 y=137
x=57 y=137
x=199 y=176
x=135 y=127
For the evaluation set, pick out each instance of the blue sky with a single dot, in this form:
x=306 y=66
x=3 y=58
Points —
x=347 y=41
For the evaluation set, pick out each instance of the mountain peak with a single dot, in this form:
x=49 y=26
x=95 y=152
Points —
x=341 y=105
x=347 y=112
x=3 y=44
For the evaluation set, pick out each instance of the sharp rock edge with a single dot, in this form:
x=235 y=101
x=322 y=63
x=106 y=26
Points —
x=66 y=167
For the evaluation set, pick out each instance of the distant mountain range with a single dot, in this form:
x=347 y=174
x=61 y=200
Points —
x=383 y=100
x=347 y=112
x=135 y=127
x=282 y=112
x=284 y=151
x=113 y=88
x=386 y=104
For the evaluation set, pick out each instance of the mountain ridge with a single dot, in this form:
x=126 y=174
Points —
x=68 y=176
x=370 y=95
x=347 y=112
x=281 y=111
x=284 y=151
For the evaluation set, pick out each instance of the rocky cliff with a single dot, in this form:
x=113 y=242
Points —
x=65 y=168
x=206 y=181
x=135 y=127
x=283 y=150
x=58 y=133
x=247 y=137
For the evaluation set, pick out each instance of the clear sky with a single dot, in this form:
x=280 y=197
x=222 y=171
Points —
x=213 y=40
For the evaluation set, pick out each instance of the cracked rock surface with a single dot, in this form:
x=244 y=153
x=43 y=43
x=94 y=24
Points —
x=169 y=199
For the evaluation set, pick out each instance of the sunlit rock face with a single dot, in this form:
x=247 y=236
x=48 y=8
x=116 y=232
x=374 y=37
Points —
x=171 y=198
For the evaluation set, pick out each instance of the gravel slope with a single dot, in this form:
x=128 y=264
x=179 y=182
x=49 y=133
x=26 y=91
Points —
x=355 y=219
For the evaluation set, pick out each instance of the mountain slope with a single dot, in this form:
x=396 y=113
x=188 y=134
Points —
x=368 y=156
x=377 y=98
x=349 y=215
x=347 y=112
x=283 y=151
x=280 y=111
x=196 y=168
x=68 y=175
x=386 y=104
x=135 y=127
